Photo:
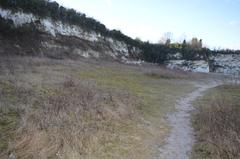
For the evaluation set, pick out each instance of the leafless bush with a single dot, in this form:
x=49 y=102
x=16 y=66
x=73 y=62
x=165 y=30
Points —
x=69 y=82
x=218 y=126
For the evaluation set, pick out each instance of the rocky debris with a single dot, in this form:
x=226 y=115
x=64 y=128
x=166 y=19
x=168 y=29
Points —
x=12 y=156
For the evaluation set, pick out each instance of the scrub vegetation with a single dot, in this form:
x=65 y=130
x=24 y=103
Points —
x=217 y=124
x=85 y=108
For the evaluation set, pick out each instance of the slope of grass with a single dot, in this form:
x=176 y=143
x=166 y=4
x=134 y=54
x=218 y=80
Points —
x=217 y=124
x=156 y=94
x=84 y=109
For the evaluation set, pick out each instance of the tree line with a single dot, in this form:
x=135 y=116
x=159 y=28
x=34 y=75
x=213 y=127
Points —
x=156 y=53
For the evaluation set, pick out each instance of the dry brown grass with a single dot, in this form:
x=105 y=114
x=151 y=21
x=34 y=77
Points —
x=162 y=72
x=71 y=123
x=83 y=109
x=165 y=73
x=218 y=124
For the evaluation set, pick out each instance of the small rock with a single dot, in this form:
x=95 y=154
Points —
x=12 y=156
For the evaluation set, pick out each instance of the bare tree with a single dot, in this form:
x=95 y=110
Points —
x=196 y=44
x=166 y=38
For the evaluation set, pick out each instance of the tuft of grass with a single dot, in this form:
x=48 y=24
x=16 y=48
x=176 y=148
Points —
x=165 y=73
x=8 y=124
x=217 y=124
x=10 y=94
x=8 y=90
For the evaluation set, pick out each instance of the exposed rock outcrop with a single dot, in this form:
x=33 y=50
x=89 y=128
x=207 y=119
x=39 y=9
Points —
x=25 y=33
x=227 y=64
x=54 y=38
x=194 y=66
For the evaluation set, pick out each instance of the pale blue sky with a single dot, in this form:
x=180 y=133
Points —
x=217 y=22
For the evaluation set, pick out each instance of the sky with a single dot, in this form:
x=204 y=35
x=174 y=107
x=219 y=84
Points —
x=216 y=22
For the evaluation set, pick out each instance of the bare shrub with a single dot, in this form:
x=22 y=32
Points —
x=218 y=129
x=69 y=82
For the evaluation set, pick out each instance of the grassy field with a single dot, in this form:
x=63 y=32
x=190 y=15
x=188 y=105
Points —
x=86 y=108
x=217 y=124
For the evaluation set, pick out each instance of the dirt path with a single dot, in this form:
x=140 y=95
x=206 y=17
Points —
x=180 y=140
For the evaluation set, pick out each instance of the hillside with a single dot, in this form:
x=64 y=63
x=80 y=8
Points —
x=70 y=88
x=71 y=109
x=55 y=39
x=54 y=31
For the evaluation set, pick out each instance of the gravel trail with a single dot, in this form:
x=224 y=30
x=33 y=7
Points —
x=181 y=139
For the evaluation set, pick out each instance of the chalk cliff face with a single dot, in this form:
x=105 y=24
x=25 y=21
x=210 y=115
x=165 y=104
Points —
x=220 y=63
x=227 y=64
x=194 y=66
x=55 y=37
x=44 y=36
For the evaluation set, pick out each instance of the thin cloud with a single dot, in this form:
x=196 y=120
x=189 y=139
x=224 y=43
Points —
x=234 y=23
x=109 y=3
x=232 y=1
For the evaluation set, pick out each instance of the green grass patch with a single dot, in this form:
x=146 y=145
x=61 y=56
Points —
x=156 y=95
x=8 y=124
x=8 y=91
x=132 y=127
